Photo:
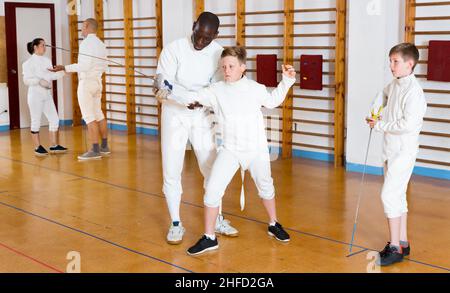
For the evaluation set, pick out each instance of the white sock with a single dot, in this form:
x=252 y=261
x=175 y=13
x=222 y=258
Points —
x=212 y=237
x=272 y=223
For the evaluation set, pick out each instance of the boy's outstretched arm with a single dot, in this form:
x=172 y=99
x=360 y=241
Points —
x=277 y=96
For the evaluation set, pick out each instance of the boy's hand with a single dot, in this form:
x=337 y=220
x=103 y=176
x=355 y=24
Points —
x=371 y=122
x=161 y=95
x=288 y=70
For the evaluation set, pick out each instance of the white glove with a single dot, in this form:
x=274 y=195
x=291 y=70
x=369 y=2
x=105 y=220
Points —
x=45 y=84
x=162 y=94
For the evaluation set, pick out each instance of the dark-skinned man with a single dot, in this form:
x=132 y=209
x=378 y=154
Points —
x=192 y=63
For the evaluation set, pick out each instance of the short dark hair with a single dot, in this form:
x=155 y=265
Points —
x=35 y=42
x=236 y=51
x=407 y=51
x=208 y=19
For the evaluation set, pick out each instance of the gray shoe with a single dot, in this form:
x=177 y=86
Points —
x=105 y=151
x=89 y=155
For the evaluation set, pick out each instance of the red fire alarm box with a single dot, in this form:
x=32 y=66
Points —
x=311 y=72
x=266 y=70
x=439 y=61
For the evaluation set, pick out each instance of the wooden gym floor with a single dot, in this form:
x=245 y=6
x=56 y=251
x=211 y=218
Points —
x=114 y=214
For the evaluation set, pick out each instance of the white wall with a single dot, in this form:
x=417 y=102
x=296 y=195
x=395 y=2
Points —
x=373 y=28
x=371 y=34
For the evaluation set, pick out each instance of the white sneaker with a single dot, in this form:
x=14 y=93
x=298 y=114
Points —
x=175 y=235
x=223 y=227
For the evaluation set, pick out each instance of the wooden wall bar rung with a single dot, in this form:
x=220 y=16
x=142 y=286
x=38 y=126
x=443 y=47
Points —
x=312 y=146
x=313 y=35
x=264 y=47
x=312 y=134
x=432 y=162
x=312 y=122
x=429 y=133
x=262 y=12
x=226 y=14
x=437 y=120
x=432 y=91
x=314 y=22
x=441 y=3
x=227 y=25
x=330 y=86
x=115 y=102
x=432 y=105
x=330 y=9
x=431 y=32
x=146 y=114
x=264 y=36
x=432 y=18
x=115 y=93
x=313 y=47
x=226 y=37
x=312 y=110
x=264 y=24
x=146 y=105
x=434 y=148
x=314 y=97
x=147 y=123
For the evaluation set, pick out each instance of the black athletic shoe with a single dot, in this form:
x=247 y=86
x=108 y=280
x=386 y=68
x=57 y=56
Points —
x=203 y=245
x=406 y=250
x=57 y=149
x=389 y=255
x=278 y=232
x=40 y=151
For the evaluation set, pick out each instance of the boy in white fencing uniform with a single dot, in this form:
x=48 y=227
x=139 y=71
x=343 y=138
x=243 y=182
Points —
x=404 y=106
x=190 y=63
x=237 y=103
x=90 y=71
x=38 y=78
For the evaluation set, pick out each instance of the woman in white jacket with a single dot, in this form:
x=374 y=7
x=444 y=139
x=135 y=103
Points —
x=40 y=100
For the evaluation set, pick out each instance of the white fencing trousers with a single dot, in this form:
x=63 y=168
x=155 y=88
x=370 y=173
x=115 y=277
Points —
x=224 y=168
x=90 y=100
x=176 y=129
x=42 y=104
x=397 y=172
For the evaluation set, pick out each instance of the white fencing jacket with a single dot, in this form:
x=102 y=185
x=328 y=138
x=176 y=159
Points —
x=404 y=106
x=237 y=106
x=35 y=69
x=185 y=67
x=89 y=67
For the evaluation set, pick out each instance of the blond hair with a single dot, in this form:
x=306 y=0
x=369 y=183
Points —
x=236 y=51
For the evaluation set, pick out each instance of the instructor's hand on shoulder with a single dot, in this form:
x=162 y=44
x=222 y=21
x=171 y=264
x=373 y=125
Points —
x=288 y=70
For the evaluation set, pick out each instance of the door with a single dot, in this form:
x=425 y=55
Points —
x=25 y=22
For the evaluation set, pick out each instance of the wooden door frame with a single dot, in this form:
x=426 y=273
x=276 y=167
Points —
x=11 y=55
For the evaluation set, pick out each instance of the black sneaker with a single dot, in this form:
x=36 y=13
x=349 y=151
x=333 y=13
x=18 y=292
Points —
x=390 y=255
x=40 y=151
x=278 y=232
x=203 y=245
x=58 y=149
x=406 y=250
